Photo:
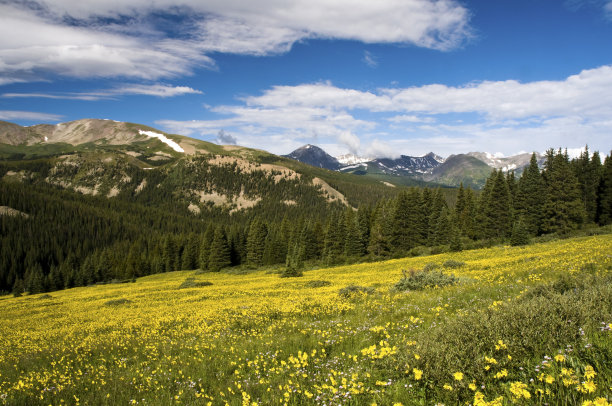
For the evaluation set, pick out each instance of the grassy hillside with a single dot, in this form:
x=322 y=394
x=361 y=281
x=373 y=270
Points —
x=524 y=325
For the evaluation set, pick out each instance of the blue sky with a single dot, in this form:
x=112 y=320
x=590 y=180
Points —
x=377 y=78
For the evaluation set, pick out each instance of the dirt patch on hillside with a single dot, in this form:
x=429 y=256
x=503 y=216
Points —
x=278 y=172
x=113 y=192
x=9 y=211
x=237 y=203
x=142 y=185
x=194 y=208
x=133 y=153
x=329 y=192
x=388 y=184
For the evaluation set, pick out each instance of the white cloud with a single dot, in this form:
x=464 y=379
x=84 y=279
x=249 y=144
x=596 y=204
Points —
x=157 y=90
x=350 y=140
x=225 y=138
x=28 y=116
x=370 y=59
x=506 y=116
x=112 y=38
x=608 y=10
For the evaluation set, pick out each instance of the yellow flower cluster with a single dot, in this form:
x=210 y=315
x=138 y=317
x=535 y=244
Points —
x=259 y=339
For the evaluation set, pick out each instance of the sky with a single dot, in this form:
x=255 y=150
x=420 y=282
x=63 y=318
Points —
x=375 y=78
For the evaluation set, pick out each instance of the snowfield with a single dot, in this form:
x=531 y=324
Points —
x=164 y=139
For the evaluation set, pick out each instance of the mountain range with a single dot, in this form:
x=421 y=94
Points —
x=105 y=157
x=471 y=169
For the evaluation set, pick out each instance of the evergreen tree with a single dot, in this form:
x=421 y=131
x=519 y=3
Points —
x=294 y=263
x=379 y=245
x=18 y=287
x=219 y=251
x=604 y=198
x=531 y=197
x=170 y=254
x=588 y=174
x=520 y=233
x=256 y=242
x=353 y=246
x=364 y=221
x=34 y=282
x=438 y=205
x=442 y=233
x=497 y=210
x=189 y=258
x=563 y=210
x=205 y=244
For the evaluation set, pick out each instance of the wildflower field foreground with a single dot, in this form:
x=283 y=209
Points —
x=520 y=325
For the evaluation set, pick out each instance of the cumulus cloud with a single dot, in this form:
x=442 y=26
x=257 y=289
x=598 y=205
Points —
x=28 y=116
x=350 y=140
x=507 y=116
x=102 y=38
x=225 y=138
x=157 y=90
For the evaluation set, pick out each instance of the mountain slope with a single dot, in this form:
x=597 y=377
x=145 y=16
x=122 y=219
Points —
x=141 y=164
x=315 y=156
x=460 y=168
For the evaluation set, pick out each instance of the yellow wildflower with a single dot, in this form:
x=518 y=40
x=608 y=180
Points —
x=589 y=372
x=519 y=390
x=417 y=374
x=559 y=358
x=458 y=376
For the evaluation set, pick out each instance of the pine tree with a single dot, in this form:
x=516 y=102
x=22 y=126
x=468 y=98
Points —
x=564 y=210
x=497 y=211
x=353 y=246
x=379 y=245
x=520 y=233
x=604 y=197
x=256 y=242
x=438 y=205
x=219 y=251
x=189 y=258
x=531 y=197
x=18 y=287
x=442 y=233
x=294 y=263
x=205 y=244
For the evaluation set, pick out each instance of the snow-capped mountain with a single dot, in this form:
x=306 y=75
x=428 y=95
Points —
x=511 y=163
x=352 y=159
x=472 y=168
x=408 y=165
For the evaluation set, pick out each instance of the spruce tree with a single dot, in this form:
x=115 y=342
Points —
x=564 y=210
x=497 y=211
x=353 y=247
x=294 y=263
x=442 y=233
x=520 y=233
x=219 y=251
x=256 y=242
x=438 y=205
x=604 y=197
x=530 y=197
x=379 y=245
x=18 y=287
x=205 y=244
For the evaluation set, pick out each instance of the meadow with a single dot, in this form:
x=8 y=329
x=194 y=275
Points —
x=521 y=325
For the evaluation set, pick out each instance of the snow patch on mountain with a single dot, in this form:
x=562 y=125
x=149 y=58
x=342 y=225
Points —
x=162 y=138
x=352 y=159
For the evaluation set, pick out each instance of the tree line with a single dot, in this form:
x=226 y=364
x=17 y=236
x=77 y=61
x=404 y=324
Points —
x=73 y=240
